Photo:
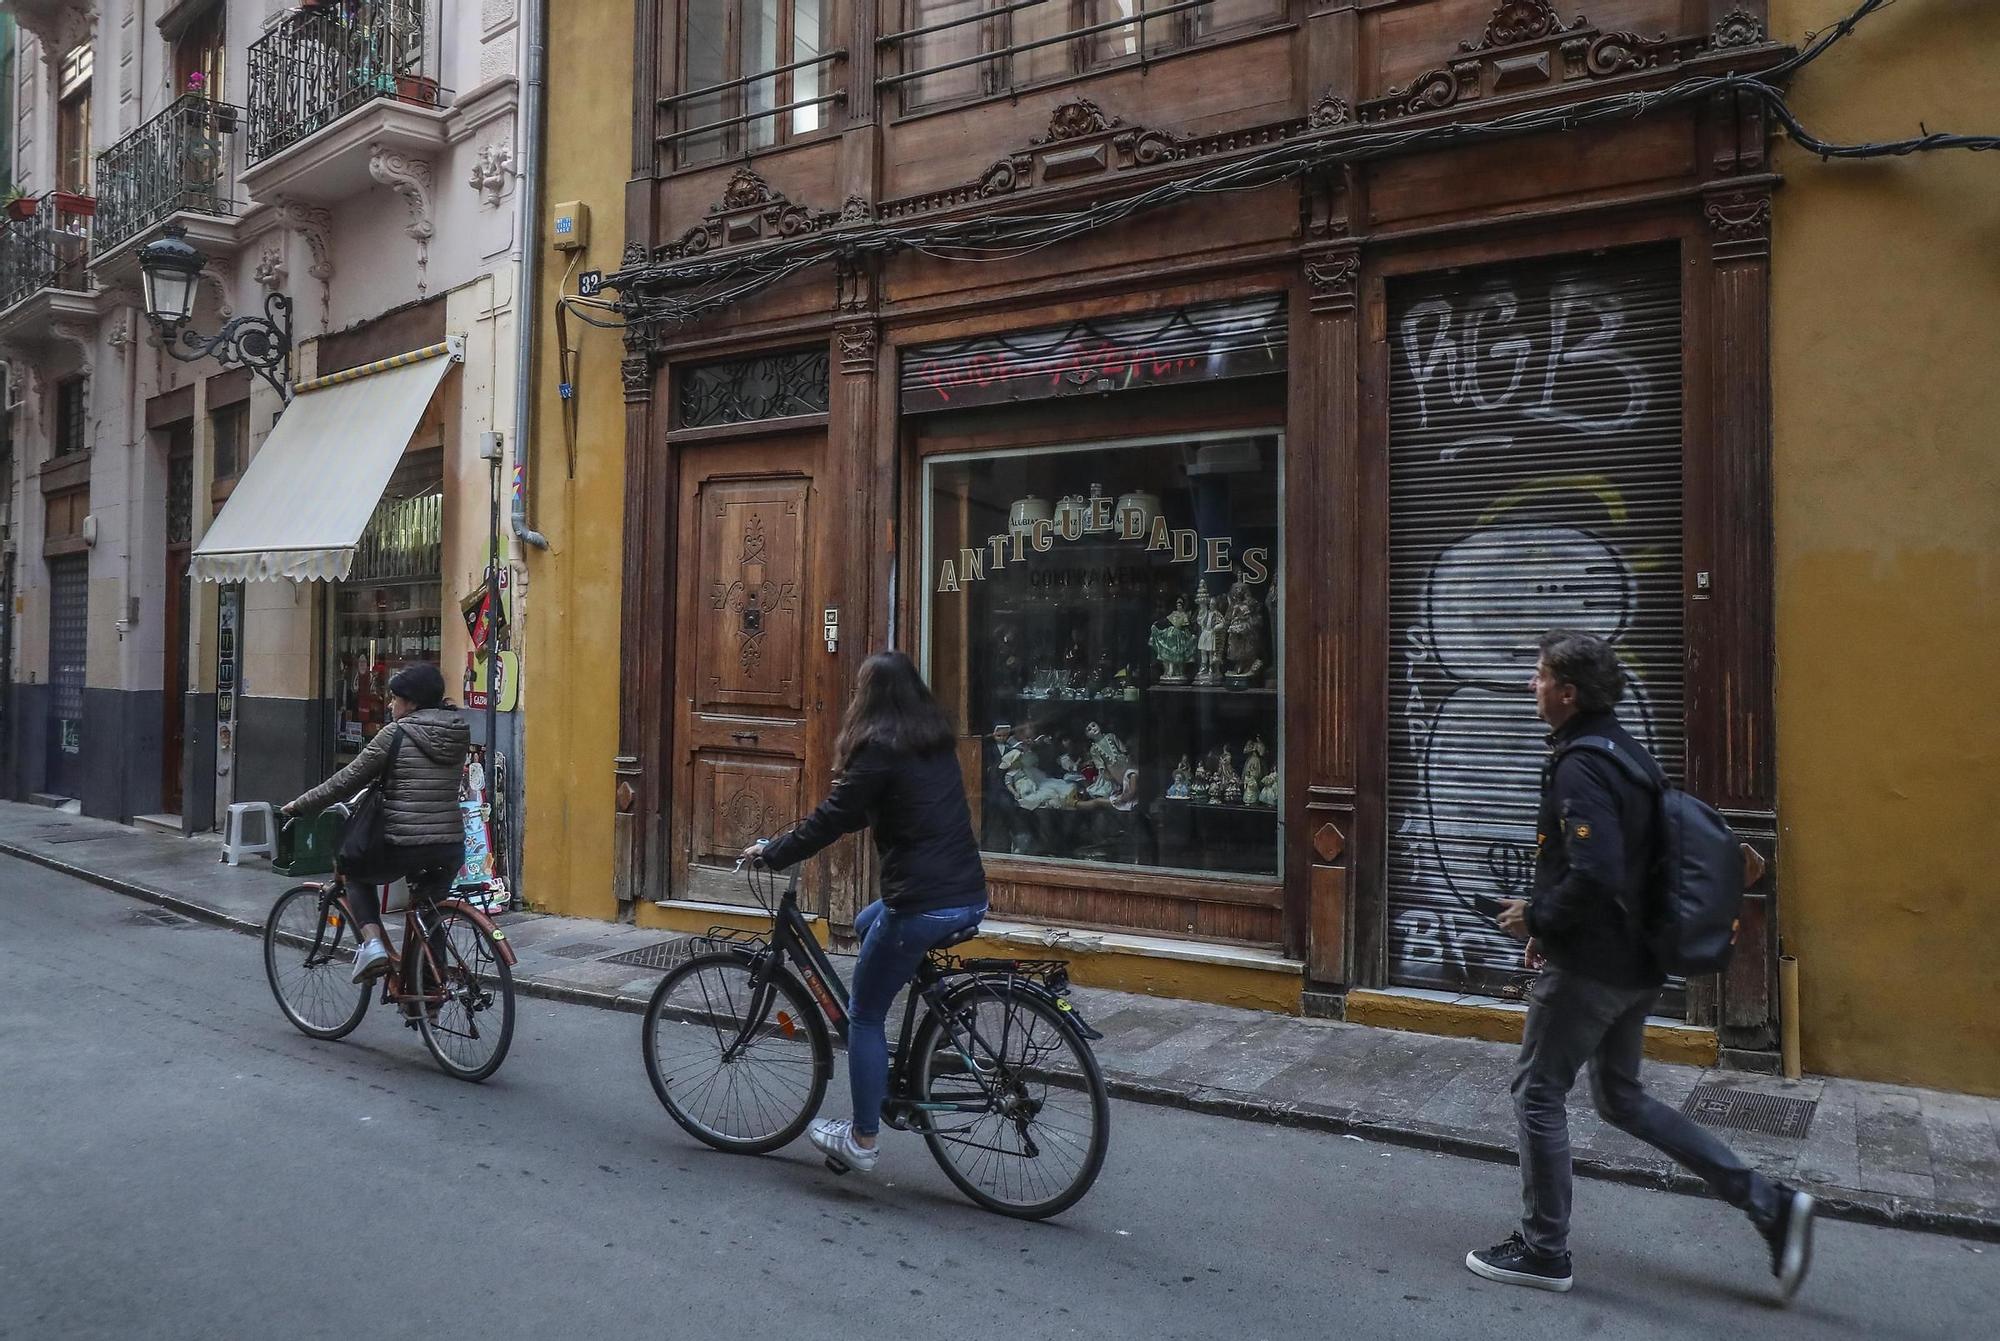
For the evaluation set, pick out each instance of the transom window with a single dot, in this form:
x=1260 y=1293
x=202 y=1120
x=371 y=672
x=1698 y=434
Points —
x=754 y=74
x=959 y=50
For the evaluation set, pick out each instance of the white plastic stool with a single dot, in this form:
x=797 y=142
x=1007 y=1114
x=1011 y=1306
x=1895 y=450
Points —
x=235 y=846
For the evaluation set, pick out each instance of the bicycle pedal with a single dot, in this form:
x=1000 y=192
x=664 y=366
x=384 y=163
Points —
x=837 y=1166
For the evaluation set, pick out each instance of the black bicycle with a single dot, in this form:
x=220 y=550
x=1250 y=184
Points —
x=993 y=1067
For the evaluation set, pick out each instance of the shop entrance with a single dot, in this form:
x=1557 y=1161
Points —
x=753 y=683
x=174 y=673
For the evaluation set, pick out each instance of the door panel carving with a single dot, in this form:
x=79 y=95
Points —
x=737 y=801
x=753 y=546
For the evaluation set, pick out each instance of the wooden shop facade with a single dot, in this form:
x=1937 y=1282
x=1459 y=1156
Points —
x=1226 y=524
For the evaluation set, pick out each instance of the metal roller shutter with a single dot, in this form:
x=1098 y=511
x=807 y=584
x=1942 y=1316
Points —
x=69 y=645
x=1534 y=483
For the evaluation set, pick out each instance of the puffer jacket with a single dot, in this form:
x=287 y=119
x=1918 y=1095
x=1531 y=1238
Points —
x=420 y=798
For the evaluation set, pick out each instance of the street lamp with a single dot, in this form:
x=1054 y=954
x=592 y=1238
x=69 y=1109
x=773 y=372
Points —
x=170 y=268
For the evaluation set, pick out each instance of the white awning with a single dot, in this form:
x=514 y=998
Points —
x=300 y=508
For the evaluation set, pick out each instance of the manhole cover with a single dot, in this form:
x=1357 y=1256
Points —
x=160 y=917
x=1744 y=1110
x=660 y=955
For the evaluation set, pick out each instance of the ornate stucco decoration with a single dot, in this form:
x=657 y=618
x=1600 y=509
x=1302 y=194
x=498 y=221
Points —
x=751 y=210
x=490 y=171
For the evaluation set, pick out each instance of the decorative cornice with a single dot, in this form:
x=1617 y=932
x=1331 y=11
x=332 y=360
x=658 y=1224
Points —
x=751 y=210
x=1738 y=28
x=1329 y=111
x=1076 y=119
x=409 y=177
x=1525 y=46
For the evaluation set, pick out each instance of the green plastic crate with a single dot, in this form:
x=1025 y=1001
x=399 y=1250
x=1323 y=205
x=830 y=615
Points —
x=309 y=846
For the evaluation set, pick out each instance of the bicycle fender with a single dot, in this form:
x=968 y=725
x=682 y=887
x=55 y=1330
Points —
x=1061 y=1003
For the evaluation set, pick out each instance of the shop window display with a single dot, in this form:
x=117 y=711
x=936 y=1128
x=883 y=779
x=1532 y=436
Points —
x=1104 y=623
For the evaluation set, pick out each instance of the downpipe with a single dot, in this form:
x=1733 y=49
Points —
x=528 y=205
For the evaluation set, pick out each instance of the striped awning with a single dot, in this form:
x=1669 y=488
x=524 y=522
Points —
x=300 y=509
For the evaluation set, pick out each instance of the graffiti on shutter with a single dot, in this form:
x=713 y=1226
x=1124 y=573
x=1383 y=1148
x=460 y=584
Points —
x=1534 y=483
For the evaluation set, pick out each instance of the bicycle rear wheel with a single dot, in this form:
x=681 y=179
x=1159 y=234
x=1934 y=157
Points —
x=741 y=1068
x=309 y=960
x=469 y=1029
x=1023 y=1119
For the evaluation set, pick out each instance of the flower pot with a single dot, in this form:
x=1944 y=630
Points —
x=22 y=208
x=419 y=89
x=68 y=202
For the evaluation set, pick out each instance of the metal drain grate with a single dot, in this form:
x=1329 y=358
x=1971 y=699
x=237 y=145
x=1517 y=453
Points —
x=660 y=955
x=160 y=917
x=57 y=836
x=1744 y=1110
x=585 y=950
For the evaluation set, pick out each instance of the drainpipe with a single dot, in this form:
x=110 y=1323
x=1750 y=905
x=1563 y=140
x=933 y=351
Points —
x=528 y=207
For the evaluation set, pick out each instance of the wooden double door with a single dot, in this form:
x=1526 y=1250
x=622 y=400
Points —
x=756 y=692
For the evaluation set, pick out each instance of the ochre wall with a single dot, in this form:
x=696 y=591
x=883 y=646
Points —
x=1886 y=370
x=571 y=663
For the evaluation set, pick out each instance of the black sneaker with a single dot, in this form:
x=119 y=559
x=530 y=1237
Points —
x=1513 y=1264
x=1790 y=1237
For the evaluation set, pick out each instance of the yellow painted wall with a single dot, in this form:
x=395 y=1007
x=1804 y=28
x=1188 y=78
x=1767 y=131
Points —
x=1886 y=368
x=571 y=605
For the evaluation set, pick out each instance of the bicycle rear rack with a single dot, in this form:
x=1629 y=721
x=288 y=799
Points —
x=1051 y=974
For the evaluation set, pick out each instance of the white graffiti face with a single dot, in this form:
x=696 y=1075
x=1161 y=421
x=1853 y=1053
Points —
x=1492 y=595
x=1559 y=362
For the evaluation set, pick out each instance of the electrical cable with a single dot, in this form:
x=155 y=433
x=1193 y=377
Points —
x=678 y=291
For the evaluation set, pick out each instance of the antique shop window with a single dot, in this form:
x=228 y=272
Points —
x=754 y=73
x=996 y=45
x=1104 y=624
x=742 y=391
x=389 y=612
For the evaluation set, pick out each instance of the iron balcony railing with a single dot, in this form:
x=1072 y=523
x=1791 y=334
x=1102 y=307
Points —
x=45 y=247
x=177 y=161
x=731 y=92
x=317 y=65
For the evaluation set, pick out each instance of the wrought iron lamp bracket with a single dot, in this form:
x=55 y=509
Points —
x=261 y=344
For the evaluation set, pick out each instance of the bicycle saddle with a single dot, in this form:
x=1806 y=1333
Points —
x=961 y=938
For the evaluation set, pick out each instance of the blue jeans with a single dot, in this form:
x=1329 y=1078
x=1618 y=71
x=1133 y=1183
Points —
x=892 y=945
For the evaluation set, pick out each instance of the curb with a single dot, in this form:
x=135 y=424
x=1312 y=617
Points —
x=1848 y=1204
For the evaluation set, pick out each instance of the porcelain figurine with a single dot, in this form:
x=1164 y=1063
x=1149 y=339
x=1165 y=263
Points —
x=1202 y=787
x=1253 y=768
x=1128 y=685
x=1173 y=643
x=1245 y=636
x=1267 y=795
x=1228 y=786
x=1031 y=788
x=1177 y=790
x=1105 y=748
x=1210 y=624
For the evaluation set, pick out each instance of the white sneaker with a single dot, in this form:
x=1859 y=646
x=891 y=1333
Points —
x=834 y=1138
x=371 y=961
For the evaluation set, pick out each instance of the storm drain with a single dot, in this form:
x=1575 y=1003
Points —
x=660 y=955
x=160 y=917
x=55 y=836
x=1744 y=1110
x=583 y=950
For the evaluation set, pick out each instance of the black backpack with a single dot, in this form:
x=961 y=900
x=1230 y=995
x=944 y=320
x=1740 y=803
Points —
x=1694 y=889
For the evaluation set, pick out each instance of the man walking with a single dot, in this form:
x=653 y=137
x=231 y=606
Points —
x=1594 y=845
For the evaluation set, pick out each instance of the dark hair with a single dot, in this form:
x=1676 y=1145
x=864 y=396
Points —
x=421 y=684
x=894 y=708
x=1587 y=662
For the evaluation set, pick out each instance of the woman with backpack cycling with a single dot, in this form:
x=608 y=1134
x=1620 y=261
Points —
x=418 y=757
x=898 y=775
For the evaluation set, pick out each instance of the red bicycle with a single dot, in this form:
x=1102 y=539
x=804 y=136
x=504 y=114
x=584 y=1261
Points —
x=453 y=976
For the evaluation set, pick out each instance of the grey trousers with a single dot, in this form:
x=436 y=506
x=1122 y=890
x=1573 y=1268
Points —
x=1572 y=1020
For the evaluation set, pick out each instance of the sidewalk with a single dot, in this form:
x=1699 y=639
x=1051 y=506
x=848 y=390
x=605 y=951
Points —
x=1882 y=1154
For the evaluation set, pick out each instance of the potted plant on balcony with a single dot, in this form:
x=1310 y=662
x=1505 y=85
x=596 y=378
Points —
x=419 y=89
x=20 y=206
x=70 y=202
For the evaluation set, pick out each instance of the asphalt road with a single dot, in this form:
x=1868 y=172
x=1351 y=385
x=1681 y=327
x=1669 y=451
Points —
x=176 y=1161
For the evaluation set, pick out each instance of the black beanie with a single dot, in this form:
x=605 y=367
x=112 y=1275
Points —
x=421 y=684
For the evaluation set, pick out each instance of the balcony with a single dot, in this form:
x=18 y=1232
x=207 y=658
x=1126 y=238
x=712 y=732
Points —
x=177 y=163
x=45 y=245
x=330 y=86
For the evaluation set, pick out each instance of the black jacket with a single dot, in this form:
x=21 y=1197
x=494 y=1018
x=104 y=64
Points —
x=1593 y=844
x=923 y=828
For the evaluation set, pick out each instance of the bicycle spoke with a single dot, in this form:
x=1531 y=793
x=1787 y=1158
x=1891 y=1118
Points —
x=733 y=1060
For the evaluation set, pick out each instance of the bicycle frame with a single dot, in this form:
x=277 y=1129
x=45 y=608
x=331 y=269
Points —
x=416 y=934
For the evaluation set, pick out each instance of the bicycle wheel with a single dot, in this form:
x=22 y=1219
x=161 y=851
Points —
x=309 y=959
x=748 y=1099
x=469 y=1029
x=1029 y=1119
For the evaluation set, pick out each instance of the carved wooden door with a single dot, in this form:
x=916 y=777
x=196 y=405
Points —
x=748 y=704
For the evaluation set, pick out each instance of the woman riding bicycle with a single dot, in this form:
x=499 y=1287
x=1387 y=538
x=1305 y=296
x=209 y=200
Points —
x=900 y=776
x=422 y=827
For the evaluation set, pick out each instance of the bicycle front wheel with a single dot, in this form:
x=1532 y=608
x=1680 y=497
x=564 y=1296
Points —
x=470 y=1023
x=1014 y=1105
x=309 y=960
x=741 y=1067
